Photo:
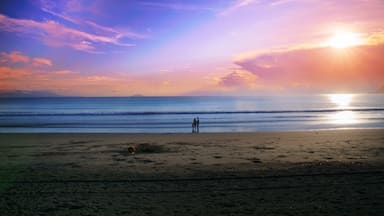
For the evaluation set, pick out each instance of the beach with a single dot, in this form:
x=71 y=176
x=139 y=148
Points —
x=323 y=172
x=230 y=107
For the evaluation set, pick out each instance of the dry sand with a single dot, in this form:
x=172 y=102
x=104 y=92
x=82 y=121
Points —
x=279 y=173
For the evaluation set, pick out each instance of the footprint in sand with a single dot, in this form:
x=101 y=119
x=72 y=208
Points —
x=255 y=160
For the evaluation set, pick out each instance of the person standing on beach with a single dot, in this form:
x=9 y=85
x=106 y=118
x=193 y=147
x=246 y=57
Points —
x=194 y=125
x=197 y=124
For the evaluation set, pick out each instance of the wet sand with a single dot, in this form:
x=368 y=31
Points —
x=327 y=172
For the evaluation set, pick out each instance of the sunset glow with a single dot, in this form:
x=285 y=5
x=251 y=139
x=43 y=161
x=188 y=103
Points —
x=100 y=48
x=345 y=39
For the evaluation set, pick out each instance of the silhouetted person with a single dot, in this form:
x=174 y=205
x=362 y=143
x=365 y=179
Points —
x=197 y=124
x=194 y=123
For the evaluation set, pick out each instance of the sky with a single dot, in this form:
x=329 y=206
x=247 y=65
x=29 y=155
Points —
x=196 y=47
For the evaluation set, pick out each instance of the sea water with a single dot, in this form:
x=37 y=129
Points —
x=175 y=114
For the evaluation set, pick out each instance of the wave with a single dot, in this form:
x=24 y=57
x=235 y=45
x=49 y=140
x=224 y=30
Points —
x=187 y=112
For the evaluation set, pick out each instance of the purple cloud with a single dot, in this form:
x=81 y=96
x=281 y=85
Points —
x=55 y=34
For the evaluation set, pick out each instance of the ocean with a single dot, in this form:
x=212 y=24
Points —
x=175 y=114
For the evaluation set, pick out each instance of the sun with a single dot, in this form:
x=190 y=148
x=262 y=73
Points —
x=344 y=39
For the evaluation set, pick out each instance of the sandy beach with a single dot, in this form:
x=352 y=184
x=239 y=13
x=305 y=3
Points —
x=339 y=172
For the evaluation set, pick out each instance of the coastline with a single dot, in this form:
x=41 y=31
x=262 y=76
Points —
x=296 y=172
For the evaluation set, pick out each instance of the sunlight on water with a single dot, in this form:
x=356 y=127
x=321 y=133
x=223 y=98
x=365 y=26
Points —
x=342 y=101
x=344 y=117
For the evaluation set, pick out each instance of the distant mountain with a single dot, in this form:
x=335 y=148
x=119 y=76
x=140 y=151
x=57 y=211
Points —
x=137 y=95
x=26 y=94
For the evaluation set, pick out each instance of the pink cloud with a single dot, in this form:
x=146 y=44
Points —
x=30 y=75
x=41 y=61
x=238 y=79
x=350 y=69
x=64 y=72
x=64 y=81
x=55 y=34
x=18 y=57
x=99 y=78
x=8 y=73
x=13 y=57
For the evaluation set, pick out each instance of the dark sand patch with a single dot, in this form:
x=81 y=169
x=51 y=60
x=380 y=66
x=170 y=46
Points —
x=178 y=143
x=73 y=165
x=263 y=148
x=196 y=163
x=141 y=148
x=143 y=160
x=149 y=148
x=81 y=141
x=12 y=155
x=255 y=160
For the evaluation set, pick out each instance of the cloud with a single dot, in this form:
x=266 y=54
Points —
x=64 y=81
x=116 y=33
x=323 y=68
x=41 y=62
x=99 y=78
x=376 y=38
x=18 y=57
x=177 y=6
x=235 y=6
x=8 y=73
x=35 y=75
x=13 y=57
x=238 y=79
x=64 y=72
x=72 y=6
x=281 y=2
x=54 y=34
x=62 y=16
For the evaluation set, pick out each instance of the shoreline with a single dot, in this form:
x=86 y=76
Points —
x=293 y=172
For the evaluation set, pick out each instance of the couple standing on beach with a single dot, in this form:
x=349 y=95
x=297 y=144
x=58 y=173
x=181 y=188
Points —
x=195 y=125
